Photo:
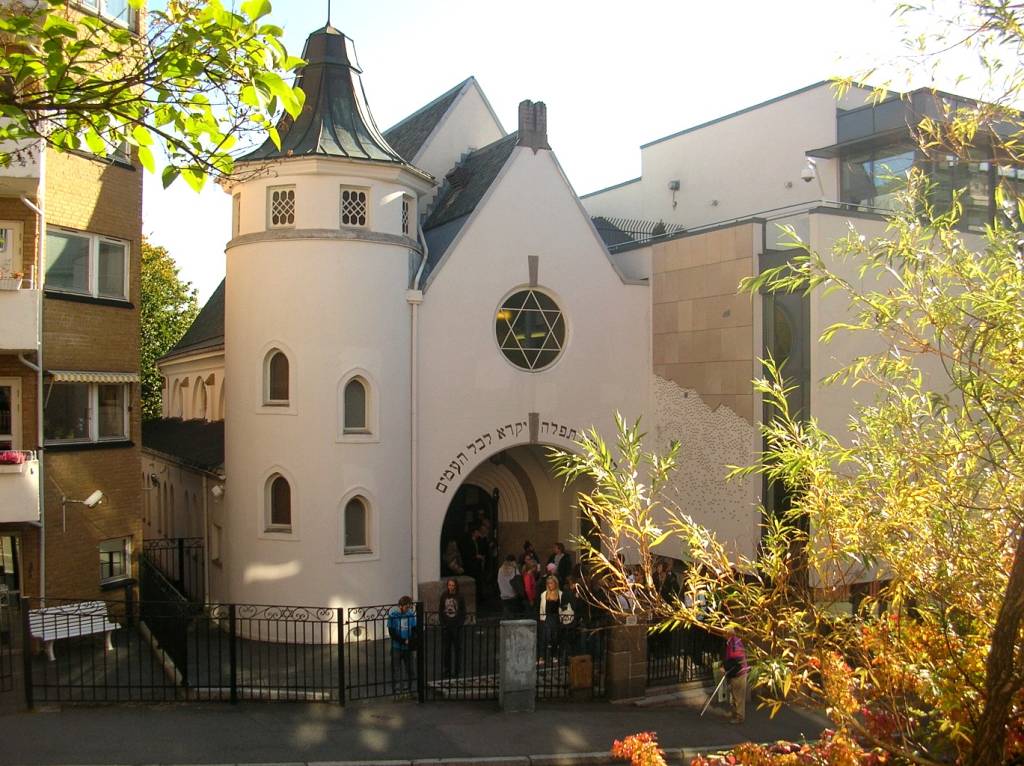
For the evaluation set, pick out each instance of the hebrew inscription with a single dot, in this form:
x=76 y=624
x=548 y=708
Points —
x=509 y=431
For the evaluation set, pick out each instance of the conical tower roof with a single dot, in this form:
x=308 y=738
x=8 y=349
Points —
x=335 y=120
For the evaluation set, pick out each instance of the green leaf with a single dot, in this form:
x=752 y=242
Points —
x=256 y=9
x=146 y=158
x=169 y=175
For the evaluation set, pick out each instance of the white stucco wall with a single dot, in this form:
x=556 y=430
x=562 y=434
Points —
x=184 y=375
x=475 y=403
x=624 y=200
x=469 y=124
x=334 y=307
x=711 y=441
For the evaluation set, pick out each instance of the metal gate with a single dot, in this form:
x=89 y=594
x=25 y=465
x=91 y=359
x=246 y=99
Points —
x=9 y=623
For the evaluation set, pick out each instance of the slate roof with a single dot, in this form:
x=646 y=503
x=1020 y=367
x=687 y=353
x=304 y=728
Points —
x=195 y=443
x=407 y=137
x=335 y=121
x=207 y=330
x=461 y=192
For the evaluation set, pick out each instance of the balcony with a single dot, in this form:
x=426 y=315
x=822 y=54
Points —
x=19 y=315
x=19 y=488
x=21 y=176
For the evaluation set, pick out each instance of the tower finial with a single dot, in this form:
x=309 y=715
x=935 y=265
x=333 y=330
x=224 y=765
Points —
x=328 y=12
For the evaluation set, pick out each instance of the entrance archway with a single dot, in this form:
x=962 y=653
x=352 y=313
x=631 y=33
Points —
x=509 y=499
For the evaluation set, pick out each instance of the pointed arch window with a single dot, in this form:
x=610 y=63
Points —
x=355 y=420
x=279 y=504
x=357 y=526
x=276 y=379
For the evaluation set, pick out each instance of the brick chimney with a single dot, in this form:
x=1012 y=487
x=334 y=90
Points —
x=533 y=125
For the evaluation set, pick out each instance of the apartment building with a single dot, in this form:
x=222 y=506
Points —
x=70 y=471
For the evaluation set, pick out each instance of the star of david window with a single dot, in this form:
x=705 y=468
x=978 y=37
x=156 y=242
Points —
x=530 y=329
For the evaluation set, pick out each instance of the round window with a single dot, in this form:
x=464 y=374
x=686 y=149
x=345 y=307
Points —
x=530 y=329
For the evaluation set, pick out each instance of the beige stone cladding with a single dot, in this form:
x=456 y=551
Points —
x=704 y=328
x=83 y=334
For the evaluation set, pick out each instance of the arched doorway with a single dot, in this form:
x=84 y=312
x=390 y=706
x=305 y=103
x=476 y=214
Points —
x=511 y=498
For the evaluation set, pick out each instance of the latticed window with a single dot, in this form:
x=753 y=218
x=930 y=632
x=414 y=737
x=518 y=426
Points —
x=282 y=206
x=353 y=207
x=405 y=215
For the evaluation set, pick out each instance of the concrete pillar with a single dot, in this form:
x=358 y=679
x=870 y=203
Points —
x=517 y=666
x=626 y=674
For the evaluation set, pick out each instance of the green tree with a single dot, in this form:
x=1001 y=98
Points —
x=182 y=92
x=168 y=308
x=924 y=493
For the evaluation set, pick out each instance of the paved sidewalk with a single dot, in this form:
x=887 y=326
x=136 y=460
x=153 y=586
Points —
x=297 y=733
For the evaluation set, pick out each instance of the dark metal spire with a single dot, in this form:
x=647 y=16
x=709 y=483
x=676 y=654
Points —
x=335 y=120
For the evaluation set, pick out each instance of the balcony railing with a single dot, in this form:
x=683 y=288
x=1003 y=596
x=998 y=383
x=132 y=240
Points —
x=19 y=312
x=19 y=486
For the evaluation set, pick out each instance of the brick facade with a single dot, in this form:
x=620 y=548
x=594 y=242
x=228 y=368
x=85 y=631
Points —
x=84 y=335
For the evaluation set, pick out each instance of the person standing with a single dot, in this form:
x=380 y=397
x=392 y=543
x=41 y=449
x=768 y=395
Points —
x=451 y=613
x=549 y=614
x=401 y=628
x=736 y=670
x=562 y=562
x=509 y=598
x=530 y=578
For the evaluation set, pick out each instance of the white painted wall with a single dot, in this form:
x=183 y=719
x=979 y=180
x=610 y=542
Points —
x=740 y=165
x=469 y=124
x=184 y=374
x=333 y=306
x=624 y=200
x=469 y=391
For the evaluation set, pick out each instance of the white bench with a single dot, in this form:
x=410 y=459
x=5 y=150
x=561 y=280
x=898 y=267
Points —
x=83 y=618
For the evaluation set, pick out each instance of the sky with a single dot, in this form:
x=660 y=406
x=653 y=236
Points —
x=614 y=75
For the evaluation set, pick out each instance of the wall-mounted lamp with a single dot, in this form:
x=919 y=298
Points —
x=90 y=502
x=217 y=491
x=673 y=186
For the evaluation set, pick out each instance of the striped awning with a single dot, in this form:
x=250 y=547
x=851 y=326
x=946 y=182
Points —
x=88 y=376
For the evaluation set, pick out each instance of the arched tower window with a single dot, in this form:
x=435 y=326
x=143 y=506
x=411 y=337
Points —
x=275 y=376
x=279 y=504
x=357 y=526
x=355 y=420
x=199 y=400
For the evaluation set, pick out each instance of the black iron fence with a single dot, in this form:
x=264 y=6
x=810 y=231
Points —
x=681 y=654
x=8 y=625
x=181 y=561
x=163 y=647
x=117 y=651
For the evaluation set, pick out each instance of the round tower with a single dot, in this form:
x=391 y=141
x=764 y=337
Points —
x=317 y=354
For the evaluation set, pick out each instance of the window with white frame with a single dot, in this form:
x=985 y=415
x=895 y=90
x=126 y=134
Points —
x=281 y=206
x=118 y=11
x=354 y=207
x=86 y=264
x=357 y=526
x=85 y=412
x=278 y=504
x=406 y=213
x=115 y=559
x=275 y=379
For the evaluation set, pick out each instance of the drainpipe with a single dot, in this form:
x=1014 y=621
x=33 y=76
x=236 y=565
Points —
x=414 y=297
x=206 y=542
x=37 y=368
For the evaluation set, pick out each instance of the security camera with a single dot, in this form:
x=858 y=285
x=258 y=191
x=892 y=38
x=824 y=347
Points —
x=93 y=500
x=810 y=171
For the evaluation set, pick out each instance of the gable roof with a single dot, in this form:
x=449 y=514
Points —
x=463 y=189
x=408 y=135
x=207 y=330
x=195 y=443
x=335 y=120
